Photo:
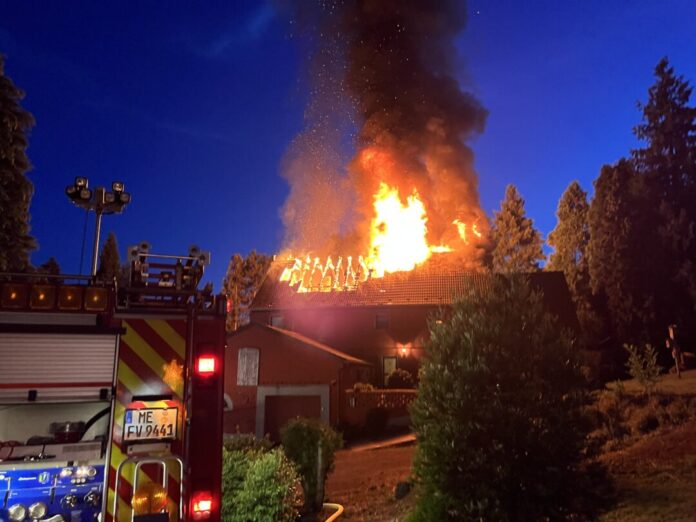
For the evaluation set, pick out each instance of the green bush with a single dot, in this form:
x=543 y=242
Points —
x=400 y=379
x=258 y=485
x=499 y=414
x=246 y=441
x=301 y=438
x=642 y=365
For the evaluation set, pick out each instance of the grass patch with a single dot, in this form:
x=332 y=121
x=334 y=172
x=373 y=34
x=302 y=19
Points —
x=656 y=492
x=667 y=384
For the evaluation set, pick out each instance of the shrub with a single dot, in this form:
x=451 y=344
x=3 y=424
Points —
x=642 y=365
x=301 y=438
x=258 y=485
x=400 y=379
x=362 y=387
x=499 y=413
x=270 y=490
x=246 y=441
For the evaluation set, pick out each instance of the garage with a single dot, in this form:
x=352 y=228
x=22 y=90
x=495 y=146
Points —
x=273 y=375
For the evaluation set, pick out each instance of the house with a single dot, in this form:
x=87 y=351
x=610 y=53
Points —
x=302 y=351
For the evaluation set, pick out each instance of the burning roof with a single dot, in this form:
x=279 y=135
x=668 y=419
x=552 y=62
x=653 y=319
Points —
x=424 y=286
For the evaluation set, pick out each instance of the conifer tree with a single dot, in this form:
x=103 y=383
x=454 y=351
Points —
x=15 y=188
x=498 y=412
x=51 y=267
x=570 y=240
x=668 y=162
x=516 y=243
x=242 y=281
x=109 y=260
x=622 y=254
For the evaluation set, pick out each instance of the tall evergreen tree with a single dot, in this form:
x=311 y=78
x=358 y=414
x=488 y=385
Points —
x=668 y=129
x=498 y=413
x=516 y=243
x=570 y=240
x=242 y=281
x=15 y=188
x=110 y=260
x=622 y=253
x=668 y=162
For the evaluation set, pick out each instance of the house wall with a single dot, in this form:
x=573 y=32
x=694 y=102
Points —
x=286 y=367
x=355 y=332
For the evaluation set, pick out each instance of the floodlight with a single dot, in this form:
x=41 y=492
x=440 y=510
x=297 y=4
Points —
x=117 y=186
x=81 y=182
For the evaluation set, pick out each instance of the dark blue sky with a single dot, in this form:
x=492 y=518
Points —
x=193 y=105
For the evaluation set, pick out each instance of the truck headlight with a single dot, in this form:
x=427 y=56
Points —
x=17 y=513
x=37 y=510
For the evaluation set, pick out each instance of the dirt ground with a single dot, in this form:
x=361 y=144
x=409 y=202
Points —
x=655 y=480
x=364 y=481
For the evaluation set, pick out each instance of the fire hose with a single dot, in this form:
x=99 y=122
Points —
x=337 y=507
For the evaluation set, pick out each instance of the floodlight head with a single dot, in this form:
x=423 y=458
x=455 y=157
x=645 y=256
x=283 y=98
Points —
x=81 y=182
x=124 y=197
x=85 y=194
x=71 y=191
x=109 y=197
x=118 y=186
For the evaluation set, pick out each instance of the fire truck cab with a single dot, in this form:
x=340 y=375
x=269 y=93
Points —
x=111 y=398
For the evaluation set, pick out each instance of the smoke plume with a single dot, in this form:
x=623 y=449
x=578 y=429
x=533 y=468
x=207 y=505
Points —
x=382 y=72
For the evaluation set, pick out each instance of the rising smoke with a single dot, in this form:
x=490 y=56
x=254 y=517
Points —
x=382 y=72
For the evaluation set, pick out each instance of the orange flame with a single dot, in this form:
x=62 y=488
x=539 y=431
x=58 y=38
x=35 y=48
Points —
x=398 y=232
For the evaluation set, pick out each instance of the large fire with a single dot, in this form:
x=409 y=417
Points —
x=398 y=243
x=398 y=233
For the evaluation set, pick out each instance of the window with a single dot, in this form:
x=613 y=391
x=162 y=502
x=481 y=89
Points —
x=248 y=367
x=382 y=321
x=389 y=365
x=277 y=321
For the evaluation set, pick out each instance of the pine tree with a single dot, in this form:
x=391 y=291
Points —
x=498 y=412
x=668 y=162
x=51 y=267
x=669 y=132
x=15 y=188
x=622 y=252
x=516 y=243
x=570 y=240
x=242 y=281
x=109 y=260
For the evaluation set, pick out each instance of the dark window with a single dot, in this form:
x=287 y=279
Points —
x=382 y=321
x=277 y=321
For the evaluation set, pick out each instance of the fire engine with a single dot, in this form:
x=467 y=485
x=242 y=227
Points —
x=111 y=398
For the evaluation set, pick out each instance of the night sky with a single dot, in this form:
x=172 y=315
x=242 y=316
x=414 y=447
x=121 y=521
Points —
x=193 y=107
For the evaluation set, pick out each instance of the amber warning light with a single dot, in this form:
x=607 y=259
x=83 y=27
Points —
x=206 y=365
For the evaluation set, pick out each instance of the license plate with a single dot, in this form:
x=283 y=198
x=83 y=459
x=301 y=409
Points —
x=150 y=424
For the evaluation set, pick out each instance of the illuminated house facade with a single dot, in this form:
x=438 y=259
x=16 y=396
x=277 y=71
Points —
x=334 y=339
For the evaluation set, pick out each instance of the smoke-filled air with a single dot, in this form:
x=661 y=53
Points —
x=382 y=177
